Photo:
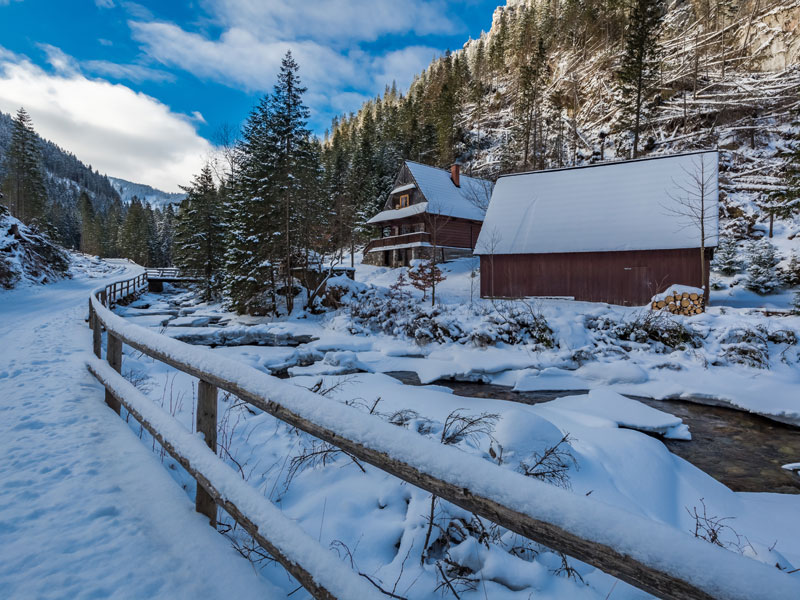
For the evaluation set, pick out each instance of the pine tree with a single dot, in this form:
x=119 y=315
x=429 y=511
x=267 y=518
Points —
x=796 y=303
x=23 y=185
x=790 y=275
x=90 y=227
x=726 y=257
x=762 y=276
x=166 y=234
x=277 y=175
x=639 y=69
x=786 y=202
x=199 y=233
x=135 y=234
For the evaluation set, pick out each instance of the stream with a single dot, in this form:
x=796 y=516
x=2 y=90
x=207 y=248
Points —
x=741 y=450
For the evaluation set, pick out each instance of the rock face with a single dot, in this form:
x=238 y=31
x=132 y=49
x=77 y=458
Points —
x=26 y=255
x=775 y=36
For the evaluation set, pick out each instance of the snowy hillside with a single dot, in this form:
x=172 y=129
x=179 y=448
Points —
x=541 y=90
x=151 y=195
x=618 y=450
x=27 y=256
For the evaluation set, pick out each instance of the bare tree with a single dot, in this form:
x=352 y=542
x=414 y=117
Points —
x=435 y=221
x=222 y=159
x=694 y=201
x=479 y=192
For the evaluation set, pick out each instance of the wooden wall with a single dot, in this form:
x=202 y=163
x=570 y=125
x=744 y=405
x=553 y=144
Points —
x=627 y=278
x=457 y=233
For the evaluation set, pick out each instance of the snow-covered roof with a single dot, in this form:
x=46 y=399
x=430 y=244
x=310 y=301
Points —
x=629 y=205
x=399 y=213
x=444 y=197
x=403 y=188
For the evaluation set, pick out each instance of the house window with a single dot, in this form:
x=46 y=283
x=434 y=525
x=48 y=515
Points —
x=403 y=200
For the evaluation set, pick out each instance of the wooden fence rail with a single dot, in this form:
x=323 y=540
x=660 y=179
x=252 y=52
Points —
x=651 y=556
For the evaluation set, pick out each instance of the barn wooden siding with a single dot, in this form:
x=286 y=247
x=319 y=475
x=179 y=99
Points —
x=628 y=278
x=457 y=233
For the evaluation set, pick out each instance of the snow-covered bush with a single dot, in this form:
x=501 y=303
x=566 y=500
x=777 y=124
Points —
x=762 y=276
x=796 y=303
x=395 y=312
x=750 y=345
x=726 y=257
x=341 y=290
x=658 y=330
x=746 y=346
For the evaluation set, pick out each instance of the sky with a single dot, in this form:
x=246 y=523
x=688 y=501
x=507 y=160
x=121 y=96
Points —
x=142 y=90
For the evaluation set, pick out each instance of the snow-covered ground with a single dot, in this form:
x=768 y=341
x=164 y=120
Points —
x=591 y=440
x=86 y=509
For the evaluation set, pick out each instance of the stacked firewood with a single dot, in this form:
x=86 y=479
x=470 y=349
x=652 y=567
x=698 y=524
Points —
x=681 y=303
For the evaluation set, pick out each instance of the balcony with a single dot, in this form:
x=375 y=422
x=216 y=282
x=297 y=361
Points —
x=406 y=240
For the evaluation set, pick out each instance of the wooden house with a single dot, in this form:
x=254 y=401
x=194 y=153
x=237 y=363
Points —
x=428 y=210
x=613 y=232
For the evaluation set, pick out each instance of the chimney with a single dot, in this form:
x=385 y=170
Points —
x=455 y=174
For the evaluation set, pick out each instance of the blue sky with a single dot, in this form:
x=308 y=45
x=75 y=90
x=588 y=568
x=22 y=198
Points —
x=140 y=90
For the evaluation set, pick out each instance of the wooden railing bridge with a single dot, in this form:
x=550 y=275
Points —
x=650 y=556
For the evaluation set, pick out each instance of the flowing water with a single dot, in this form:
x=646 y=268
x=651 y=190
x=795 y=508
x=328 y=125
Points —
x=741 y=450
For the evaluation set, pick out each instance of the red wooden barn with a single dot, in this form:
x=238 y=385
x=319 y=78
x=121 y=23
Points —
x=428 y=211
x=612 y=232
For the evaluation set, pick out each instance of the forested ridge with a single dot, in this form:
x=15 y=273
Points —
x=77 y=207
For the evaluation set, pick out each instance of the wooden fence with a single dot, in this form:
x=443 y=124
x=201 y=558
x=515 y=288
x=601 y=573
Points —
x=650 y=556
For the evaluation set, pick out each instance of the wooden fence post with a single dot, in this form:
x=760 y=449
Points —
x=114 y=358
x=207 y=425
x=97 y=335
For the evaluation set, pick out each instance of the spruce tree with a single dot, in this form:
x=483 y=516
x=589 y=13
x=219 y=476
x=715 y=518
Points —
x=135 y=234
x=166 y=234
x=199 y=233
x=762 y=276
x=90 y=227
x=23 y=185
x=726 y=257
x=278 y=172
x=639 y=69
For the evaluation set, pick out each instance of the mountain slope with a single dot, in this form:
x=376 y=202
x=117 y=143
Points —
x=155 y=197
x=728 y=78
x=66 y=177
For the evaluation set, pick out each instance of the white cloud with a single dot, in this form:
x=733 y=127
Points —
x=333 y=20
x=136 y=73
x=104 y=3
x=116 y=130
x=240 y=59
x=402 y=65
x=330 y=39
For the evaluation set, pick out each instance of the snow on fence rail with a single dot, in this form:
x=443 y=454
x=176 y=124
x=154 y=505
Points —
x=649 y=555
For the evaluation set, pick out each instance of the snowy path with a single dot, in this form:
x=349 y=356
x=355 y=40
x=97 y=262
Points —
x=86 y=509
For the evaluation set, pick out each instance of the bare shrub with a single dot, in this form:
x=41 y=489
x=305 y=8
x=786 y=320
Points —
x=714 y=529
x=459 y=427
x=552 y=465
